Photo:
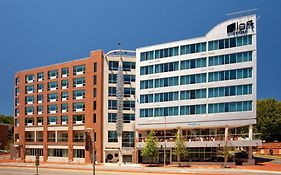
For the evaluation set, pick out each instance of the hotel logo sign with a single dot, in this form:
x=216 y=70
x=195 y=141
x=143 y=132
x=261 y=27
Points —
x=240 y=28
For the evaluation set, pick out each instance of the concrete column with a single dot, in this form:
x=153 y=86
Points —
x=120 y=149
x=136 y=158
x=56 y=136
x=35 y=139
x=250 y=132
x=226 y=134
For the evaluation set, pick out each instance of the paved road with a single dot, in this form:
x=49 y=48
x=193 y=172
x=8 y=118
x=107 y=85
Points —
x=44 y=171
x=49 y=171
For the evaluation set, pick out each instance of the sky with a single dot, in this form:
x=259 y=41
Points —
x=36 y=33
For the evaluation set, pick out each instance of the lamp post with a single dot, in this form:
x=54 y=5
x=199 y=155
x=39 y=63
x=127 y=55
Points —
x=93 y=150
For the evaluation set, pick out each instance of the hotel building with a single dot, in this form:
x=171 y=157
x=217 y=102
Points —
x=204 y=87
x=111 y=143
x=54 y=108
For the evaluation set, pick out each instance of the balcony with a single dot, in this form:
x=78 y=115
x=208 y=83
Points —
x=79 y=85
x=30 y=102
x=53 y=100
x=40 y=90
x=53 y=112
x=79 y=110
x=207 y=140
x=29 y=81
x=79 y=73
x=40 y=101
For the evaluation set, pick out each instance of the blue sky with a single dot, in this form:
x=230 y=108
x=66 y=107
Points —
x=36 y=33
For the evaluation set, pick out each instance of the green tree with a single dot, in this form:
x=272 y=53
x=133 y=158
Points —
x=269 y=119
x=180 y=150
x=226 y=152
x=150 y=150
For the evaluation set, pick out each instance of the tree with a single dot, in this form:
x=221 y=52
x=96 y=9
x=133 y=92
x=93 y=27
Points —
x=226 y=153
x=150 y=149
x=180 y=150
x=269 y=119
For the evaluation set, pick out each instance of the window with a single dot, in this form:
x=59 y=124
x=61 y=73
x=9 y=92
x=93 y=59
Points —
x=78 y=119
x=52 y=86
x=40 y=87
x=52 y=109
x=78 y=70
x=17 y=91
x=39 y=109
x=166 y=111
x=112 y=78
x=64 y=120
x=52 y=120
x=147 y=56
x=194 y=63
x=16 y=112
x=53 y=97
x=95 y=80
x=40 y=98
x=231 y=42
x=79 y=153
x=40 y=122
x=128 y=139
x=146 y=84
x=29 y=100
x=40 y=76
x=78 y=107
x=193 y=109
x=193 y=48
x=95 y=92
x=168 y=96
x=34 y=151
x=29 y=78
x=17 y=101
x=78 y=136
x=64 y=84
x=78 y=94
x=165 y=82
x=112 y=136
x=29 y=110
x=193 y=94
x=78 y=82
x=64 y=96
x=58 y=152
x=146 y=112
x=29 y=89
x=53 y=74
x=193 y=79
x=29 y=121
x=128 y=66
x=230 y=59
x=64 y=72
x=166 y=67
x=17 y=81
x=95 y=67
x=230 y=74
x=230 y=107
x=145 y=70
x=113 y=65
x=129 y=78
x=64 y=107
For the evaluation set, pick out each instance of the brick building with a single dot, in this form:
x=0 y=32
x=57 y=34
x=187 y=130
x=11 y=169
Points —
x=55 y=106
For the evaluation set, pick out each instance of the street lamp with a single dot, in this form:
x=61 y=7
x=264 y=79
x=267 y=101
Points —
x=93 y=150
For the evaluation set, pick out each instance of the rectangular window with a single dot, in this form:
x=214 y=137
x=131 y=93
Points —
x=40 y=76
x=52 y=86
x=79 y=153
x=79 y=70
x=53 y=74
x=64 y=72
x=78 y=82
x=112 y=136
x=29 y=78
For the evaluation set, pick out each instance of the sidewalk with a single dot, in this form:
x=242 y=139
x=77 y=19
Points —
x=267 y=168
